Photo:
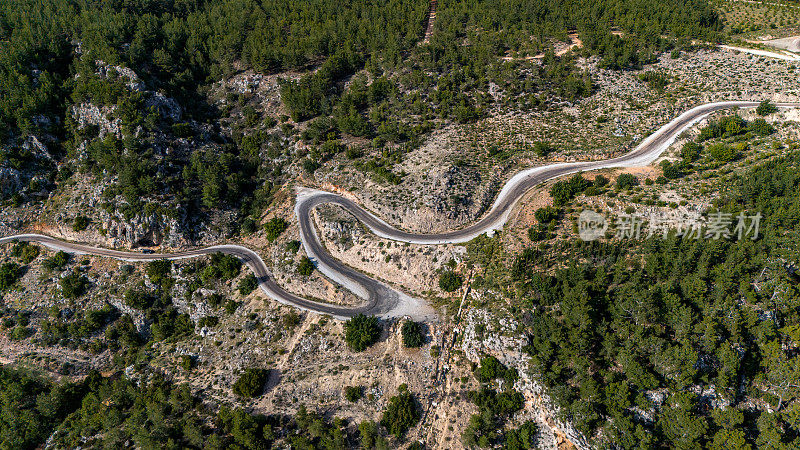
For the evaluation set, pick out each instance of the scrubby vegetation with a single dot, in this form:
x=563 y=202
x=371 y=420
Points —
x=361 y=332
x=450 y=281
x=413 y=334
x=713 y=313
x=251 y=383
x=402 y=412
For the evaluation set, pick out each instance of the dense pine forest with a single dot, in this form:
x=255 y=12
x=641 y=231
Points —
x=703 y=328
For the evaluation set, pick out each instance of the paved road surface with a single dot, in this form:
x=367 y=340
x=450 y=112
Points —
x=379 y=298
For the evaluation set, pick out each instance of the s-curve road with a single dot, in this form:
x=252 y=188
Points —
x=381 y=299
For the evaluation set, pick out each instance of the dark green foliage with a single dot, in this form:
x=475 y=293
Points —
x=760 y=127
x=187 y=362
x=221 y=267
x=293 y=246
x=115 y=411
x=626 y=181
x=208 y=321
x=565 y=190
x=57 y=261
x=314 y=432
x=251 y=383
x=599 y=181
x=542 y=149
x=33 y=406
x=171 y=325
x=10 y=273
x=291 y=320
x=25 y=251
x=138 y=298
x=243 y=430
x=231 y=306
x=730 y=126
x=450 y=281
x=159 y=271
x=690 y=151
x=722 y=152
x=694 y=303
x=413 y=334
x=491 y=368
x=546 y=214
x=73 y=285
x=766 y=108
x=248 y=284
x=402 y=413
x=656 y=80
x=305 y=267
x=80 y=223
x=361 y=332
x=275 y=227
x=522 y=438
x=353 y=393
x=502 y=404
x=484 y=429
x=71 y=333
x=671 y=171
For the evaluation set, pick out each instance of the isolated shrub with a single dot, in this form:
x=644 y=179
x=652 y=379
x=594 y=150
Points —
x=565 y=190
x=231 y=306
x=187 y=362
x=542 y=149
x=57 y=261
x=293 y=246
x=221 y=267
x=248 y=284
x=450 y=281
x=80 y=223
x=353 y=393
x=761 y=127
x=401 y=413
x=208 y=321
x=413 y=335
x=671 y=171
x=291 y=320
x=25 y=251
x=305 y=267
x=361 y=331
x=138 y=298
x=600 y=181
x=275 y=227
x=766 y=108
x=73 y=285
x=251 y=383
x=626 y=181
x=489 y=369
x=691 y=151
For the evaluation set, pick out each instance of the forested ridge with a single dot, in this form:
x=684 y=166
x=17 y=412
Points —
x=153 y=413
x=671 y=343
x=135 y=57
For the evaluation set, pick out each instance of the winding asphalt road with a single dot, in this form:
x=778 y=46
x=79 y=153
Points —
x=381 y=299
